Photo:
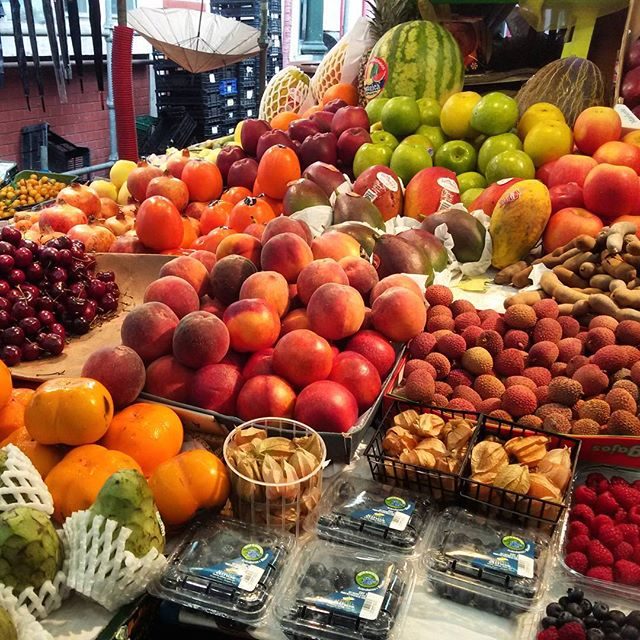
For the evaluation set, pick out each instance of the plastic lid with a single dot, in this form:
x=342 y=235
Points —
x=337 y=593
x=368 y=514
x=225 y=568
x=486 y=563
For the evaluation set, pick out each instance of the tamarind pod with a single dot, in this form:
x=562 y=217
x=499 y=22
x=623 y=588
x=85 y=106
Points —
x=585 y=242
x=633 y=284
x=570 y=278
x=552 y=261
x=615 y=266
x=623 y=228
x=580 y=308
x=616 y=284
x=625 y=298
x=521 y=279
x=565 y=309
x=634 y=261
x=586 y=270
x=573 y=263
x=525 y=297
x=601 y=281
x=628 y=314
x=603 y=305
x=505 y=276
x=615 y=242
x=590 y=290
x=633 y=246
x=561 y=293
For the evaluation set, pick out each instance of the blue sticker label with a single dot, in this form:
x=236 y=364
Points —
x=514 y=557
x=394 y=513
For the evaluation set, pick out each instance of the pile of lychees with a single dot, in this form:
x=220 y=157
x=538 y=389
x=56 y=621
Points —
x=529 y=365
x=603 y=535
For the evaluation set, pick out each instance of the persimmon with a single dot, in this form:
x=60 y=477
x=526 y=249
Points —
x=6 y=386
x=276 y=205
x=215 y=215
x=211 y=241
x=191 y=231
x=248 y=211
x=203 y=179
x=284 y=119
x=235 y=194
x=42 y=456
x=278 y=167
x=341 y=91
x=11 y=417
x=159 y=224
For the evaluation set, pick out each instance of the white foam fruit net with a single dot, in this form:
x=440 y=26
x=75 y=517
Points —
x=27 y=626
x=48 y=597
x=21 y=485
x=100 y=568
x=286 y=91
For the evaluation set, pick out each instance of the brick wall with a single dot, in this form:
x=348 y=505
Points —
x=81 y=121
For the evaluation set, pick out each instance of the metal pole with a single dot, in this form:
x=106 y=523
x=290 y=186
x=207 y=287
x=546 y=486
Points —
x=263 y=41
x=122 y=13
x=108 y=36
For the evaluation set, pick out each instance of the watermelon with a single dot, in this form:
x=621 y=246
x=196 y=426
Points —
x=419 y=59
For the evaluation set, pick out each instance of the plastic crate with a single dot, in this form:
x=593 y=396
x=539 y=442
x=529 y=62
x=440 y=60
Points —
x=175 y=128
x=62 y=154
x=228 y=87
x=187 y=99
x=144 y=127
x=177 y=81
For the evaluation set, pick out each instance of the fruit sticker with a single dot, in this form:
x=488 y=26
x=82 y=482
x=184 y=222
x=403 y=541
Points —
x=394 y=513
x=449 y=191
x=367 y=579
x=375 y=77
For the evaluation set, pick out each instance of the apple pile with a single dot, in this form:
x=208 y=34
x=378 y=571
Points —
x=631 y=78
x=288 y=335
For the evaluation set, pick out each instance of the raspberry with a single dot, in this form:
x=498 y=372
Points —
x=585 y=495
x=620 y=516
x=579 y=543
x=610 y=536
x=633 y=515
x=617 y=481
x=594 y=480
x=636 y=485
x=636 y=554
x=577 y=528
x=600 y=521
x=601 y=573
x=548 y=634
x=630 y=533
x=572 y=631
x=577 y=561
x=623 y=551
x=627 y=572
x=582 y=512
x=606 y=503
x=598 y=554
x=625 y=495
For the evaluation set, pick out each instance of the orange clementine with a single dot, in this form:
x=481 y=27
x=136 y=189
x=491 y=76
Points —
x=43 y=457
x=149 y=433
x=341 y=91
x=235 y=194
x=6 y=385
x=284 y=119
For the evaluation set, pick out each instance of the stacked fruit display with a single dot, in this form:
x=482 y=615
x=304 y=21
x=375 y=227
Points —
x=530 y=366
x=630 y=89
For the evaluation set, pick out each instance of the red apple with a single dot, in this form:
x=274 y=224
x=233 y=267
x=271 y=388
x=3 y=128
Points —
x=611 y=191
x=566 y=195
x=326 y=176
x=595 y=126
x=382 y=186
x=323 y=119
x=320 y=147
x=631 y=88
x=250 y=133
x=242 y=173
x=227 y=156
x=333 y=105
x=568 y=223
x=571 y=168
x=633 y=55
x=488 y=199
x=619 y=153
x=347 y=118
x=350 y=141
x=301 y=129
x=630 y=218
x=271 y=139
x=545 y=172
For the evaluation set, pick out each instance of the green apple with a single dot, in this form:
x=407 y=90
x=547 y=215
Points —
x=384 y=137
x=374 y=109
x=471 y=180
x=429 y=111
x=457 y=155
x=370 y=154
x=497 y=144
x=421 y=141
x=401 y=116
x=510 y=164
x=495 y=113
x=469 y=196
x=408 y=159
x=376 y=126
x=435 y=135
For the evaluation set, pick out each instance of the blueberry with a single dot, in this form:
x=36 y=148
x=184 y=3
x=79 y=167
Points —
x=629 y=632
x=617 y=616
x=564 y=618
x=634 y=619
x=554 y=609
x=586 y=607
x=610 y=626
x=575 y=595
x=564 y=601
x=613 y=636
x=595 y=634
x=548 y=621
x=590 y=622
x=601 y=610
x=575 y=609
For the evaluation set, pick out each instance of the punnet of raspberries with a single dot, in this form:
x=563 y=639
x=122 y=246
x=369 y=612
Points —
x=603 y=536
x=574 y=617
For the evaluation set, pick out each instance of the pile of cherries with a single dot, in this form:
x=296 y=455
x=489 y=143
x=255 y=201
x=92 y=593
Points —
x=46 y=292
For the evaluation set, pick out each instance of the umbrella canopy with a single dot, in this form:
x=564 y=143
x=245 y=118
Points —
x=196 y=40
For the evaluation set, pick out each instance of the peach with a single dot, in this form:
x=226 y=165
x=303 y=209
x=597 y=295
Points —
x=236 y=360
x=189 y=269
x=595 y=126
x=568 y=223
x=317 y=273
x=570 y=168
x=228 y=276
x=175 y=292
x=619 y=153
x=336 y=245
x=253 y=324
x=200 y=339
x=326 y=406
x=395 y=280
x=375 y=348
x=259 y=364
x=302 y=357
x=282 y=224
x=120 y=369
x=255 y=229
x=240 y=244
x=211 y=305
x=358 y=375
x=208 y=258
x=286 y=253
x=335 y=311
x=270 y=286
x=167 y=378
x=216 y=387
x=361 y=273
x=399 y=314
x=296 y=319
x=148 y=330
x=610 y=190
x=266 y=395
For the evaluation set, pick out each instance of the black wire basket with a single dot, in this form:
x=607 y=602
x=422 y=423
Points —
x=498 y=502
x=442 y=486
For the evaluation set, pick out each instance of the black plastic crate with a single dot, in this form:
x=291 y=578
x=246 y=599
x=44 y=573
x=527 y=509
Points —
x=62 y=155
x=184 y=99
x=442 y=486
x=174 y=81
x=174 y=129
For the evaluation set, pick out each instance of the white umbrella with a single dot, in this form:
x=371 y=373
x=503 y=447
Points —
x=195 y=40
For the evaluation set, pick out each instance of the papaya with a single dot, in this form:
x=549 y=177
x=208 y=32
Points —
x=518 y=220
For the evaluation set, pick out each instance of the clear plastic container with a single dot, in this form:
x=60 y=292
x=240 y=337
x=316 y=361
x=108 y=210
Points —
x=364 y=513
x=337 y=593
x=226 y=569
x=484 y=563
